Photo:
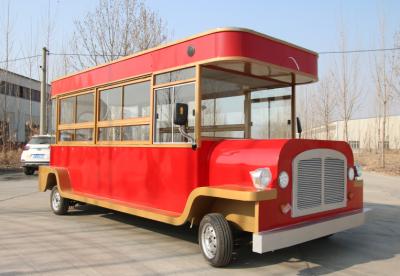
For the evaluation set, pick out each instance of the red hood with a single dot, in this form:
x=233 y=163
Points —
x=226 y=155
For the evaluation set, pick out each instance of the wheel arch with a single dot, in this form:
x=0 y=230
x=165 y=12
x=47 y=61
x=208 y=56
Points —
x=50 y=177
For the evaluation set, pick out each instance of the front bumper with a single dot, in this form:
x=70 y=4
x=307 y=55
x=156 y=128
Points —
x=35 y=164
x=289 y=236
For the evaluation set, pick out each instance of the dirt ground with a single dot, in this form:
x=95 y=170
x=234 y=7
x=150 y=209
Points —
x=10 y=158
x=372 y=162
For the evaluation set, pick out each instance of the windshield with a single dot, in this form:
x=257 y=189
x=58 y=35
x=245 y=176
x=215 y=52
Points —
x=240 y=106
x=41 y=141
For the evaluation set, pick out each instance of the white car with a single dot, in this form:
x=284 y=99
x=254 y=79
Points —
x=36 y=153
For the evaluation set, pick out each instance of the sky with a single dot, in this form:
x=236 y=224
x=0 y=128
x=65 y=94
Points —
x=308 y=23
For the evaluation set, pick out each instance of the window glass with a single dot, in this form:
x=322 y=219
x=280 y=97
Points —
x=183 y=74
x=40 y=141
x=166 y=98
x=223 y=106
x=85 y=134
x=185 y=94
x=270 y=114
x=67 y=107
x=67 y=135
x=163 y=120
x=111 y=104
x=109 y=134
x=135 y=133
x=137 y=100
x=84 y=108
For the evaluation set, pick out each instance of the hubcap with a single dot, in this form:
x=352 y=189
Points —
x=209 y=241
x=56 y=200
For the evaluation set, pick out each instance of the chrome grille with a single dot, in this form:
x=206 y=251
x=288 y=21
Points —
x=334 y=180
x=319 y=181
x=309 y=183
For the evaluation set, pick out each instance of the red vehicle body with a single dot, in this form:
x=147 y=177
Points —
x=204 y=178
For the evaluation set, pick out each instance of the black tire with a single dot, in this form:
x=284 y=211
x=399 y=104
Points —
x=29 y=171
x=58 y=204
x=216 y=240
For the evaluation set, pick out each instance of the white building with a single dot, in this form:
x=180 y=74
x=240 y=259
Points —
x=19 y=106
x=363 y=133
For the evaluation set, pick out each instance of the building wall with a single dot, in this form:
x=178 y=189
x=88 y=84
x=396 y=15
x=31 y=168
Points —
x=20 y=97
x=363 y=133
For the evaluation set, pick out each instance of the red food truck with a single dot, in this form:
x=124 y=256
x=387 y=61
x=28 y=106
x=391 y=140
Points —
x=203 y=131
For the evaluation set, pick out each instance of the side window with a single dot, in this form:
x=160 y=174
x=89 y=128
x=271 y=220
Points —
x=137 y=100
x=111 y=104
x=76 y=118
x=128 y=103
x=67 y=110
x=84 y=108
x=165 y=100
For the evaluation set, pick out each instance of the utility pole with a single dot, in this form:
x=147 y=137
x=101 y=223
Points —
x=43 y=94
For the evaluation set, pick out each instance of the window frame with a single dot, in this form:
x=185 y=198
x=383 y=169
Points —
x=75 y=126
x=138 y=121
x=197 y=101
x=132 y=121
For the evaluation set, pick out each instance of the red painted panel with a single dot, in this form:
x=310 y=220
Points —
x=163 y=178
x=270 y=211
x=213 y=45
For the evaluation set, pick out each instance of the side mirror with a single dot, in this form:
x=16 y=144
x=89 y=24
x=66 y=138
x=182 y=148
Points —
x=181 y=114
x=299 y=129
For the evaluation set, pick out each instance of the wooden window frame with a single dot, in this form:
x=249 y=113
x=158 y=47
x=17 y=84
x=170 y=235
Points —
x=74 y=126
x=138 y=121
x=197 y=103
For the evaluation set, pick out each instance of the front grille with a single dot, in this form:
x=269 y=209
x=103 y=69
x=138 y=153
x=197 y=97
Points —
x=319 y=181
x=309 y=183
x=334 y=180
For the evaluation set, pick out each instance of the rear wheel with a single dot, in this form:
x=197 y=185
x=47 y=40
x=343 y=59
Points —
x=29 y=171
x=58 y=204
x=216 y=240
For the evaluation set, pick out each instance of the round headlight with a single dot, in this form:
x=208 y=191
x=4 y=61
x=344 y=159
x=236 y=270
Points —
x=261 y=178
x=351 y=173
x=283 y=179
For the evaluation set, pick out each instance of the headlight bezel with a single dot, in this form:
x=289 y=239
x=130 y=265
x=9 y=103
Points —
x=261 y=178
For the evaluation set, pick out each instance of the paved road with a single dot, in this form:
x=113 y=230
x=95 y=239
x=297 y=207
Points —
x=93 y=241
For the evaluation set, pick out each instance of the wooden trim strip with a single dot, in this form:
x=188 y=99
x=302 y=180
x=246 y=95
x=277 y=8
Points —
x=197 y=101
x=175 y=83
x=230 y=192
x=76 y=126
x=125 y=122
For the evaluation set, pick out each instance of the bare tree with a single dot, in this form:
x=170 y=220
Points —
x=346 y=78
x=384 y=76
x=116 y=28
x=326 y=102
x=7 y=52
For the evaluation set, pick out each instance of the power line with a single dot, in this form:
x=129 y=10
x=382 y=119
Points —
x=360 y=51
x=17 y=59
x=84 y=55
x=102 y=55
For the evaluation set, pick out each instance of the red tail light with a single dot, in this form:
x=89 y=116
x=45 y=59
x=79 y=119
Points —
x=26 y=147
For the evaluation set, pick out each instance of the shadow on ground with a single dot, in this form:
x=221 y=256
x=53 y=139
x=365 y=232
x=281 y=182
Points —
x=377 y=240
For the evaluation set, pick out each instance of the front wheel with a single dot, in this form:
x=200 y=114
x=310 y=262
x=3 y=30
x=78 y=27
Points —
x=216 y=240
x=58 y=204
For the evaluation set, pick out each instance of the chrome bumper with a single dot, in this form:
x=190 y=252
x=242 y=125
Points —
x=289 y=236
